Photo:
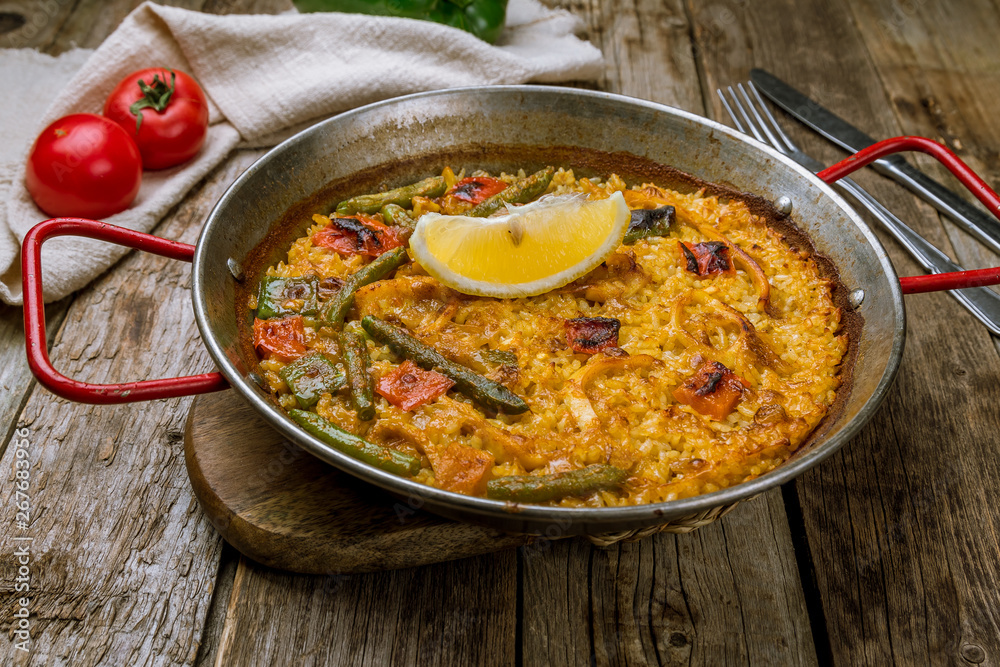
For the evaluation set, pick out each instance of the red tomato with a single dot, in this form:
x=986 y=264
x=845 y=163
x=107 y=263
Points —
x=284 y=338
x=461 y=469
x=357 y=235
x=83 y=165
x=164 y=111
x=713 y=390
x=591 y=335
x=409 y=386
x=476 y=189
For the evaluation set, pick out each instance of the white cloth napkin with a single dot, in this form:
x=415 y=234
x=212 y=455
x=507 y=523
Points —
x=265 y=76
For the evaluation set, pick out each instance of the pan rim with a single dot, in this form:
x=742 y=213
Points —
x=535 y=518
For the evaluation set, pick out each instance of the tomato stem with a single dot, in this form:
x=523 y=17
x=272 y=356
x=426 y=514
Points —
x=155 y=95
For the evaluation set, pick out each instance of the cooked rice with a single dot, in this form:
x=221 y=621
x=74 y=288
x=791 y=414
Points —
x=673 y=316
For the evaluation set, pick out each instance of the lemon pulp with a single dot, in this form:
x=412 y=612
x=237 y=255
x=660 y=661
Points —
x=530 y=250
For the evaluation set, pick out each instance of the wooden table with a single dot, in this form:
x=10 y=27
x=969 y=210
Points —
x=888 y=552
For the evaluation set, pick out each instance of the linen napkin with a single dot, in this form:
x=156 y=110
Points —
x=265 y=77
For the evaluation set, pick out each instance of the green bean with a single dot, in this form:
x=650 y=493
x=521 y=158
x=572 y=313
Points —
x=472 y=384
x=336 y=308
x=384 y=458
x=310 y=377
x=496 y=358
x=397 y=216
x=429 y=187
x=543 y=488
x=521 y=192
x=354 y=351
x=276 y=294
x=649 y=222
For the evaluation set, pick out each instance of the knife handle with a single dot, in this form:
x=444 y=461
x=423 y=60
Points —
x=968 y=217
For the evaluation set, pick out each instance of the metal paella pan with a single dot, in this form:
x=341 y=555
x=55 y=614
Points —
x=497 y=128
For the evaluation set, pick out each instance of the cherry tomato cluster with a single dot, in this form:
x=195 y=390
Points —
x=91 y=166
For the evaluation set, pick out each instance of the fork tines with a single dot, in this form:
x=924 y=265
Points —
x=757 y=126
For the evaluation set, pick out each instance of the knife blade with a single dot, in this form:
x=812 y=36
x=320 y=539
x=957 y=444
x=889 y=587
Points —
x=978 y=223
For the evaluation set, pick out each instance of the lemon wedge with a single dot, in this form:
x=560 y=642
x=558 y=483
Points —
x=532 y=249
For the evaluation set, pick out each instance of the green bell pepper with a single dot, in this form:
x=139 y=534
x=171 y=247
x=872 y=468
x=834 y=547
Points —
x=279 y=297
x=310 y=377
x=483 y=18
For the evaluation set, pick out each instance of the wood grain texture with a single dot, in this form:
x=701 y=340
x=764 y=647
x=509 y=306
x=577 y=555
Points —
x=55 y=26
x=724 y=594
x=287 y=509
x=216 y=617
x=896 y=569
x=16 y=379
x=124 y=561
x=457 y=613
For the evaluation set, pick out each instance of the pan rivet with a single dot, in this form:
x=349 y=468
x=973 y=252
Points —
x=784 y=205
x=856 y=298
x=235 y=269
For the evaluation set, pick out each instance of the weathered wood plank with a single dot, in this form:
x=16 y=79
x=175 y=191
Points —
x=896 y=561
x=457 y=613
x=124 y=561
x=646 y=48
x=15 y=378
x=54 y=27
x=720 y=595
x=59 y=25
x=216 y=618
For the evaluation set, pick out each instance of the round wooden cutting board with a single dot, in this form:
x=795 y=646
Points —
x=287 y=509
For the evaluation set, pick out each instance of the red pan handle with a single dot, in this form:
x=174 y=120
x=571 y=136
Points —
x=935 y=281
x=34 y=317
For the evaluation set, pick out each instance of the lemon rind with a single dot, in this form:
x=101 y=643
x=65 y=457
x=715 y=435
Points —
x=442 y=273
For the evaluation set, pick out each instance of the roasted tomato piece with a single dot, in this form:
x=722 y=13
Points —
x=462 y=469
x=591 y=335
x=409 y=386
x=713 y=390
x=357 y=235
x=284 y=338
x=476 y=189
x=706 y=259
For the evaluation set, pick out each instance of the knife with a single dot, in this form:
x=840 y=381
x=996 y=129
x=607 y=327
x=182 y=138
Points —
x=978 y=223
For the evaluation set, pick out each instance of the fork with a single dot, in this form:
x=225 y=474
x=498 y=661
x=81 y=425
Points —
x=983 y=303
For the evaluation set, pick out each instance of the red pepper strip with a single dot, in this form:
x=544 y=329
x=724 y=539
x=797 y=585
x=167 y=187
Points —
x=284 y=338
x=476 y=189
x=461 y=469
x=706 y=259
x=357 y=235
x=409 y=386
x=713 y=390
x=591 y=335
